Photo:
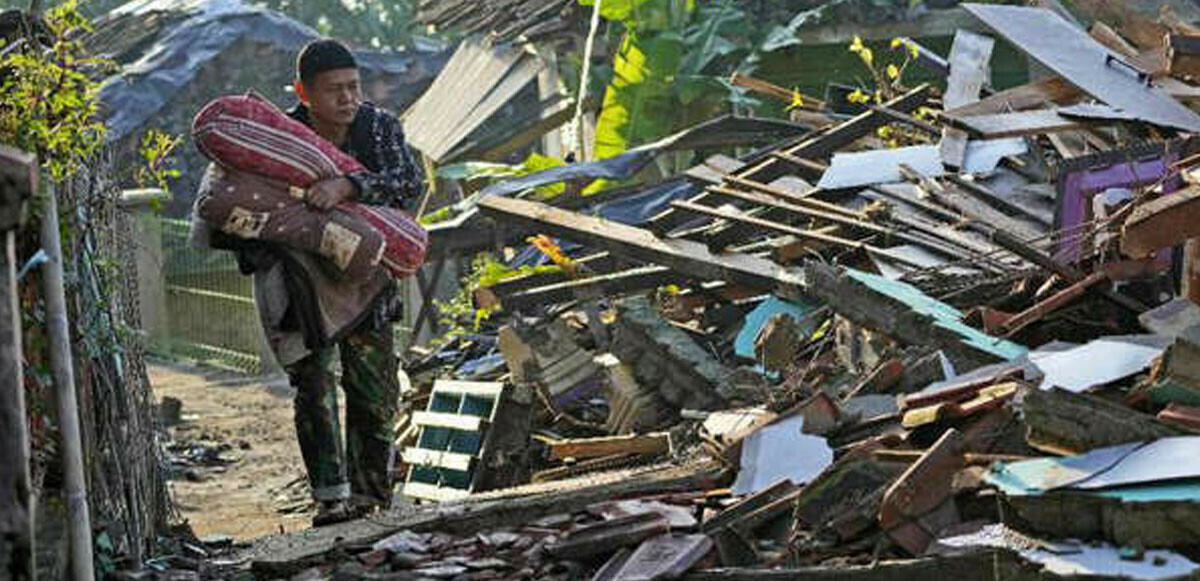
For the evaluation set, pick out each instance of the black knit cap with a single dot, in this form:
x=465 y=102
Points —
x=320 y=55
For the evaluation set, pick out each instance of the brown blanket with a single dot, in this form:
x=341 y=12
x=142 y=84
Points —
x=333 y=303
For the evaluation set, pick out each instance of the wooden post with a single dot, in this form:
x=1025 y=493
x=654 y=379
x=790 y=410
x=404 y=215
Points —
x=1191 y=270
x=18 y=180
x=62 y=369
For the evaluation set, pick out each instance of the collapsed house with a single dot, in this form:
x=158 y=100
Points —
x=833 y=356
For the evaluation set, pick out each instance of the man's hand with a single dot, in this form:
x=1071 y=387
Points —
x=328 y=193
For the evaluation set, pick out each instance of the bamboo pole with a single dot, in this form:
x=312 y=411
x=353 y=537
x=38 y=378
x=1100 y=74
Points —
x=16 y=511
x=62 y=370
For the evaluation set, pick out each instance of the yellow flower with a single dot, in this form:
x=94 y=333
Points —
x=893 y=72
x=797 y=100
x=867 y=56
x=913 y=49
x=884 y=132
x=878 y=96
x=856 y=45
x=896 y=42
x=858 y=97
x=924 y=113
x=894 y=144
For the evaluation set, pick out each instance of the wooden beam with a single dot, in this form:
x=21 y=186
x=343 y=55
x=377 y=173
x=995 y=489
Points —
x=1053 y=90
x=597 y=262
x=581 y=448
x=1016 y=124
x=983 y=565
x=794 y=231
x=285 y=555
x=819 y=146
x=801 y=200
x=1163 y=223
x=689 y=258
x=623 y=282
x=775 y=91
x=941 y=241
x=858 y=220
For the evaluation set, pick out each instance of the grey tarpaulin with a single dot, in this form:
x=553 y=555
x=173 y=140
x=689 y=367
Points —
x=206 y=29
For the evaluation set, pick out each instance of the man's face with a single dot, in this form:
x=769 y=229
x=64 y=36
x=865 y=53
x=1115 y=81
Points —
x=334 y=96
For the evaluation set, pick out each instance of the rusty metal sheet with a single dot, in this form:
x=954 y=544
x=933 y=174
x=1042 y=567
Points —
x=1073 y=55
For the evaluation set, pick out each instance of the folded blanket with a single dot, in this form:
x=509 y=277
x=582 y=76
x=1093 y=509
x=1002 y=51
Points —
x=254 y=207
x=269 y=160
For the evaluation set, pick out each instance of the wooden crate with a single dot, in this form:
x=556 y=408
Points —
x=473 y=436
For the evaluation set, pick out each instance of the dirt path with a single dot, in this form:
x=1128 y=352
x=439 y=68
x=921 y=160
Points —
x=263 y=491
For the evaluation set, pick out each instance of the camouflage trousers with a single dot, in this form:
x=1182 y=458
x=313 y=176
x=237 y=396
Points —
x=362 y=466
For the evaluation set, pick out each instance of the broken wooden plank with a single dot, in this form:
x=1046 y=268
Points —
x=1038 y=94
x=855 y=220
x=1061 y=422
x=286 y=555
x=1067 y=271
x=1036 y=312
x=623 y=282
x=816 y=147
x=799 y=199
x=689 y=258
x=905 y=118
x=775 y=91
x=975 y=565
x=748 y=505
x=608 y=536
x=580 y=448
x=439 y=458
x=1163 y=223
x=598 y=262
x=794 y=231
x=920 y=503
x=1016 y=124
x=988 y=196
x=970 y=54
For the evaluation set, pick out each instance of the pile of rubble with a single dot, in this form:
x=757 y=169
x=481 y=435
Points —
x=976 y=357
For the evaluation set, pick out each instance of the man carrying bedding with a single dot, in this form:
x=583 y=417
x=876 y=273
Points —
x=347 y=481
x=297 y=299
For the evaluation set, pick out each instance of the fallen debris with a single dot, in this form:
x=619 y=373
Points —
x=911 y=343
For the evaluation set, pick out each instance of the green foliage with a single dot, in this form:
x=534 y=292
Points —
x=640 y=103
x=482 y=170
x=156 y=150
x=439 y=215
x=460 y=314
x=48 y=102
x=381 y=24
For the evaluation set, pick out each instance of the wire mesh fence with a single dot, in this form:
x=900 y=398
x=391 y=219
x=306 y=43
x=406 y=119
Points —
x=210 y=312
